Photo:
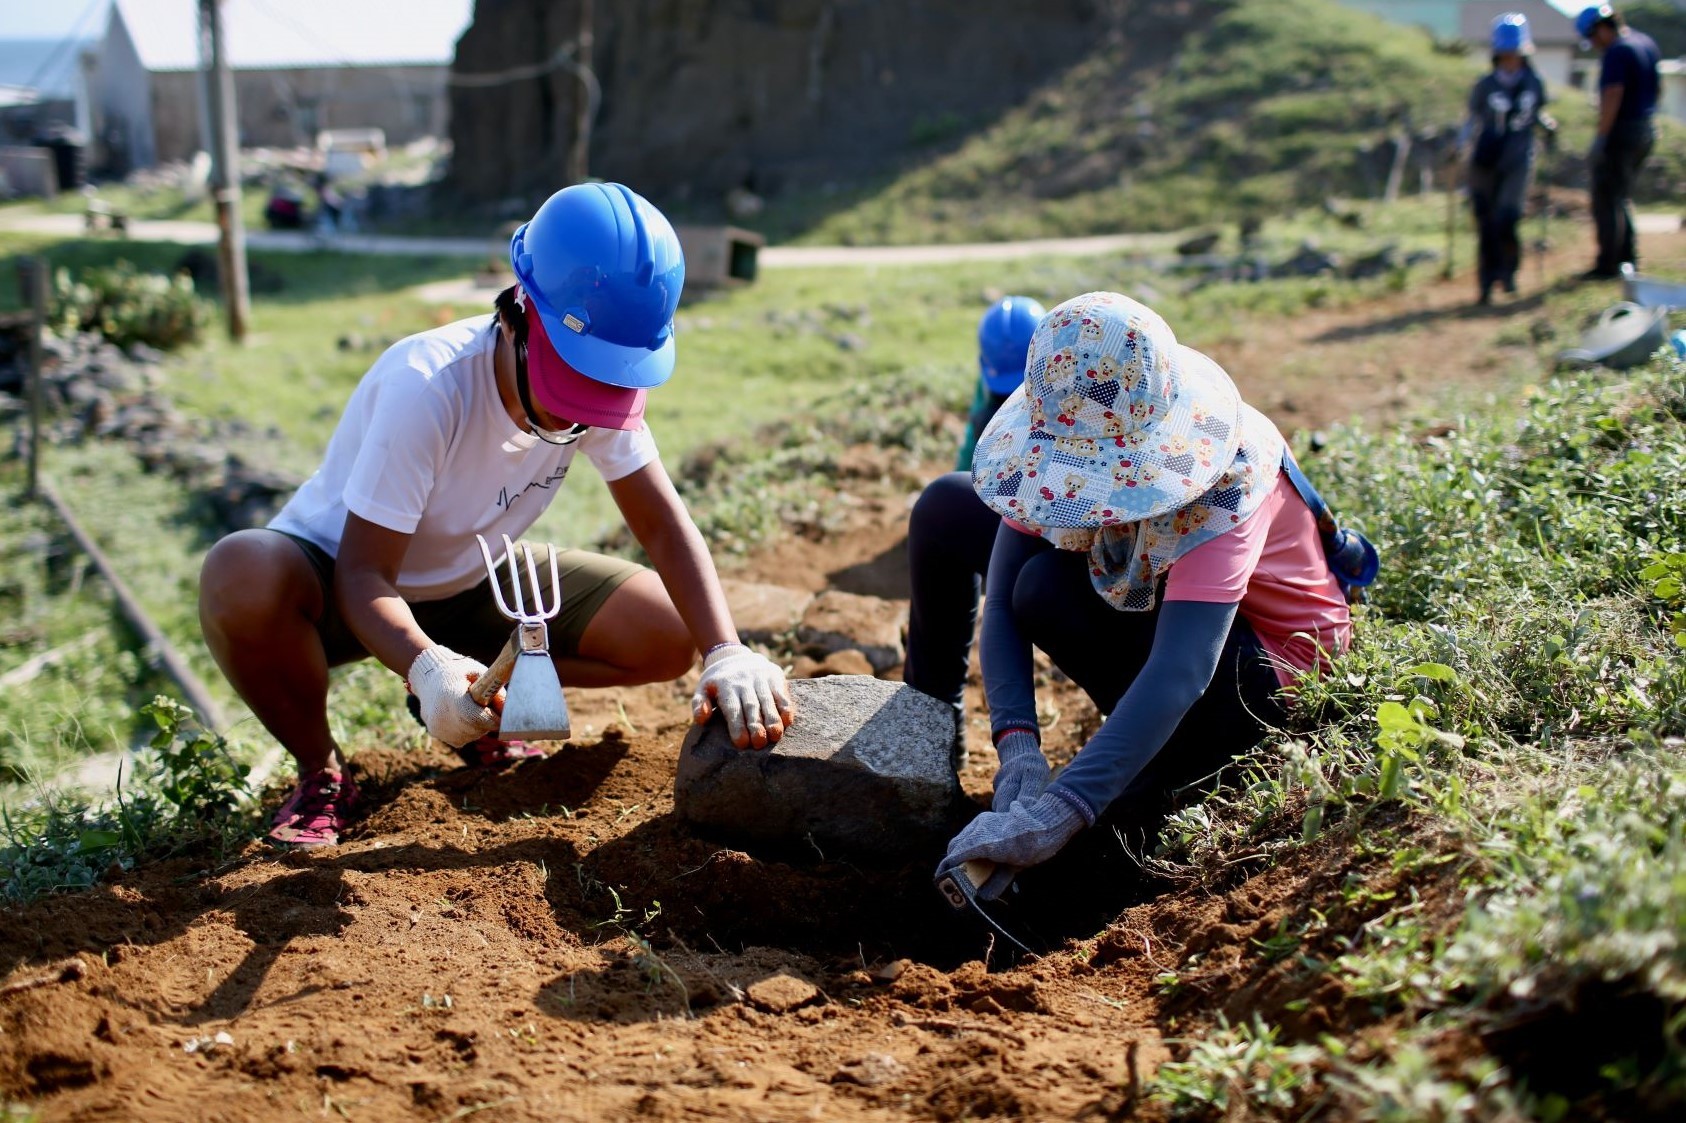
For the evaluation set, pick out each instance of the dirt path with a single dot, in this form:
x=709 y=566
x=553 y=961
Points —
x=547 y=944
x=1385 y=361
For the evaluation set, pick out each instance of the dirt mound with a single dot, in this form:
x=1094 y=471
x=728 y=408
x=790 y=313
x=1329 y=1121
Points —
x=550 y=941
x=467 y=948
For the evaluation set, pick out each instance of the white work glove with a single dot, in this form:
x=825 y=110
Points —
x=749 y=691
x=439 y=678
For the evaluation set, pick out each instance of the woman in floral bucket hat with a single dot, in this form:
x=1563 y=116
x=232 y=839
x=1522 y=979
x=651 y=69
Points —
x=1154 y=548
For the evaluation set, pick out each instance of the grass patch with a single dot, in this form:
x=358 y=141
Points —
x=1517 y=685
x=1218 y=112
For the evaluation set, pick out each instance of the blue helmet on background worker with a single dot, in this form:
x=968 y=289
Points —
x=1591 y=16
x=1511 y=35
x=1004 y=341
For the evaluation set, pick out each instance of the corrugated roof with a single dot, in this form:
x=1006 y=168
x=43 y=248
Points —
x=1549 y=26
x=285 y=33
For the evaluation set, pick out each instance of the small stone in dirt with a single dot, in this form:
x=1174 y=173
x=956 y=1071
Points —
x=782 y=993
x=865 y=769
x=837 y=621
x=846 y=662
x=892 y=971
x=869 y=1071
x=764 y=613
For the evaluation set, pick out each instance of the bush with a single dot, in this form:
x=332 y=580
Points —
x=128 y=306
x=191 y=793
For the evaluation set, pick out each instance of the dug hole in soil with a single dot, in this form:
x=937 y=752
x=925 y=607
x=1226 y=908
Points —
x=548 y=943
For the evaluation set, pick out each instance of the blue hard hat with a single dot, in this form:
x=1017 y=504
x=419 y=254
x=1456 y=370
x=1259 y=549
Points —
x=604 y=269
x=1591 y=15
x=1510 y=35
x=1004 y=341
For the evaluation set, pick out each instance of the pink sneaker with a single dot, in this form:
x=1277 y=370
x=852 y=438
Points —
x=316 y=812
x=489 y=752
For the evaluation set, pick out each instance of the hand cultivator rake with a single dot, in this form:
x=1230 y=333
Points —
x=534 y=708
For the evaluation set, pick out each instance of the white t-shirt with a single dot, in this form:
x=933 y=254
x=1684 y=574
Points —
x=426 y=448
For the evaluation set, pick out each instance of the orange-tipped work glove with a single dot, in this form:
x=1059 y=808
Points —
x=440 y=678
x=750 y=692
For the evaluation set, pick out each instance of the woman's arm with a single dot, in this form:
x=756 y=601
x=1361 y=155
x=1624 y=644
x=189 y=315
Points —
x=366 y=593
x=657 y=518
x=748 y=689
x=1008 y=672
x=1188 y=641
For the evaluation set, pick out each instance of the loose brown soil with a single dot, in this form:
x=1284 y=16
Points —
x=548 y=943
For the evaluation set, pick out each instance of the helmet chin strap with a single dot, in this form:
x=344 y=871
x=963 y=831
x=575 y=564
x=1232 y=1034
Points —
x=524 y=391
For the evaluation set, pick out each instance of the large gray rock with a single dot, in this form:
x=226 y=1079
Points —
x=865 y=769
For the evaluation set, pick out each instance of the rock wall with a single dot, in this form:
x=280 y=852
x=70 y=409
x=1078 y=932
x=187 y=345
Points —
x=704 y=96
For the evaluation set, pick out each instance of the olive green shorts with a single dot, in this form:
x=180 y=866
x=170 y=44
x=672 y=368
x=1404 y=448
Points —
x=469 y=622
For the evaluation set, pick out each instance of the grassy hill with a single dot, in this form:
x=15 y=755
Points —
x=1246 y=108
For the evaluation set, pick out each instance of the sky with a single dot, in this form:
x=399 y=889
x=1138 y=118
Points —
x=53 y=19
x=278 y=25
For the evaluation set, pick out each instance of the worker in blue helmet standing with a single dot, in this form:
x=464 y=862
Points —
x=1627 y=102
x=1505 y=108
x=951 y=531
x=471 y=429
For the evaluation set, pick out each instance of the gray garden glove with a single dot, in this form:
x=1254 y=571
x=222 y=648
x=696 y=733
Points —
x=1595 y=154
x=1025 y=835
x=1023 y=772
x=439 y=678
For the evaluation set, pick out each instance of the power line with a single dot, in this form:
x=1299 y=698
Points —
x=304 y=32
x=563 y=57
x=75 y=36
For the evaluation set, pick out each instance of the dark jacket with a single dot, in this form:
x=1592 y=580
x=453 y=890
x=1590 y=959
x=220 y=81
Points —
x=1504 y=118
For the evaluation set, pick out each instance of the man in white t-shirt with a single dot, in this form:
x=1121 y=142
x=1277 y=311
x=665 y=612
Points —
x=470 y=429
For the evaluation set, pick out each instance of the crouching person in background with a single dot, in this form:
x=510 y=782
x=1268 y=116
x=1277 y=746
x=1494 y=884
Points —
x=951 y=531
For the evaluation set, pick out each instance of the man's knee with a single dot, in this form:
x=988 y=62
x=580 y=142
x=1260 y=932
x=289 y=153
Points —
x=248 y=581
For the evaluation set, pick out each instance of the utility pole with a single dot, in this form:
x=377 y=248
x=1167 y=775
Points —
x=225 y=168
x=579 y=152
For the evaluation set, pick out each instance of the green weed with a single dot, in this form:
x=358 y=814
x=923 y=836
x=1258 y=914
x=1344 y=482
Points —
x=1239 y=1067
x=188 y=792
x=128 y=306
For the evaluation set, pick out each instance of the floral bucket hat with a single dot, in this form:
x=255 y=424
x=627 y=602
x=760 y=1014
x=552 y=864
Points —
x=1124 y=443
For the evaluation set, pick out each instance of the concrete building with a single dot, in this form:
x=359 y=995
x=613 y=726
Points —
x=1556 y=45
x=1671 y=101
x=299 y=68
